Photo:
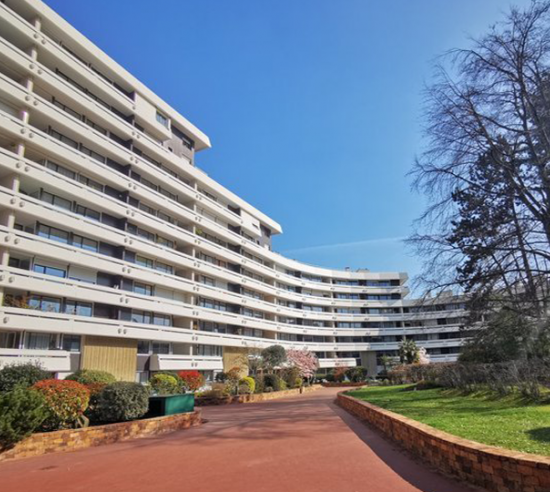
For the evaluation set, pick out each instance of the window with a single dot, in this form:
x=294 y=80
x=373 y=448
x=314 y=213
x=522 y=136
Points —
x=209 y=350
x=163 y=120
x=87 y=212
x=165 y=242
x=47 y=270
x=62 y=138
x=208 y=281
x=78 y=308
x=41 y=341
x=90 y=183
x=167 y=218
x=96 y=127
x=213 y=327
x=163 y=267
x=166 y=193
x=162 y=320
x=160 y=348
x=138 y=231
x=149 y=184
x=146 y=262
x=143 y=289
x=55 y=200
x=141 y=317
x=72 y=112
x=43 y=303
x=147 y=209
x=60 y=169
x=210 y=304
x=85 y=243
x=143 y=347
x=71 y=343
x=53 y=234
x=92 y=154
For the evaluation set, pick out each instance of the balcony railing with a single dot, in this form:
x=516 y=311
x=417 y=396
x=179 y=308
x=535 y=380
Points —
x=50 y=360
x=165 y=362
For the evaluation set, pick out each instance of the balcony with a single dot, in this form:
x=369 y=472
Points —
x=165 y=362
x=326 y=363
x=50 y=360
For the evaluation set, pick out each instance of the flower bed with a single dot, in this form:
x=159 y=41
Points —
x=73 y=439
x=257 y=397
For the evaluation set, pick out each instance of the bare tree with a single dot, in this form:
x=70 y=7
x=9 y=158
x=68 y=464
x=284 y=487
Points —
x=486 y=167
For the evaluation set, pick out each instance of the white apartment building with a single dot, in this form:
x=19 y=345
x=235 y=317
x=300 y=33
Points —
x=118 y=253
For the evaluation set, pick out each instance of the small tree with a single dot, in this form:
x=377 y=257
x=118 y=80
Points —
x=273 y=356
x=305 y=361
x=408 y=351
x=387 y=363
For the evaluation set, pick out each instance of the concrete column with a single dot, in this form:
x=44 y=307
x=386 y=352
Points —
x=24 y=116
x=20 y=149
x=29 y=83
x=33 y=52
x=4 y=258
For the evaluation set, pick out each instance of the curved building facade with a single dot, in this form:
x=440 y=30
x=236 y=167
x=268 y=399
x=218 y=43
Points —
x=118 y=253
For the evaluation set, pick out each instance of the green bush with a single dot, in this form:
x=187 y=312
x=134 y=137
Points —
x=272 y=382
x=247 y=385
x=21 y=375
x=283 y=385
x=217 y=390
x=356 y=374
x=91 y=376
x=221 y=377
x=289 y=375
x=165 y=384
x=22 y=411
x=122 y=401
x=65 y=402
x=298 y=382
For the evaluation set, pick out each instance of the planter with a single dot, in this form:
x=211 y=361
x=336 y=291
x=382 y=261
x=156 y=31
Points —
x=73 y=439
x=171 y=404
x=254 y=398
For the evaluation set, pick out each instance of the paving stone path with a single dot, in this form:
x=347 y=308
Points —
x=301 y=444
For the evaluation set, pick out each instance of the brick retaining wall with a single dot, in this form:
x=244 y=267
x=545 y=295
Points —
x=343 y=385
x=73 y=439
x=493 y=468
x=254 y=398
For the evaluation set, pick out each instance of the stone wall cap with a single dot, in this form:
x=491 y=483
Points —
x=528 y=459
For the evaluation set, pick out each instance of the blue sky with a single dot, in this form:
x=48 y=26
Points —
x=313 y=107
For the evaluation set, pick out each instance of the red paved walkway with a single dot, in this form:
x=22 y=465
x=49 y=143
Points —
x=303 y=444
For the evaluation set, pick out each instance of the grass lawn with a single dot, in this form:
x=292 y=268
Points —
x=508 y=422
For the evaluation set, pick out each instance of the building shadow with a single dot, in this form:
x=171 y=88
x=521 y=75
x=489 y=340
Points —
x=421 y=475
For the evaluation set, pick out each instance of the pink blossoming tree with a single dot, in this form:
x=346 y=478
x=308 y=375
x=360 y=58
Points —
x=306 y=362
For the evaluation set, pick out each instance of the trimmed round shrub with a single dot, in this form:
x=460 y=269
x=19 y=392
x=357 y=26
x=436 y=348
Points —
x=95 y=389
x=65 y=402
x=164 y=384
x=122 y=401
x=24 y=375
x=192 y=380
x=298 y=383
x=272 y=382
x=22 y=411
x=247 y=385
x=91 y=376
